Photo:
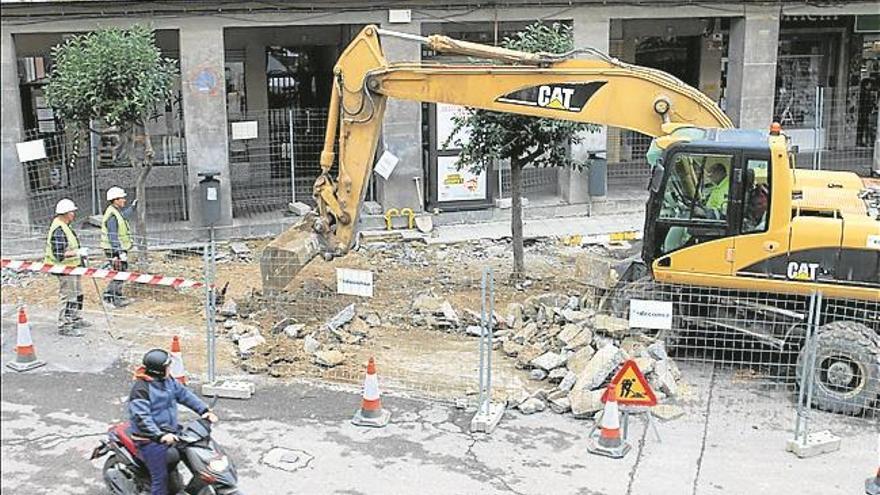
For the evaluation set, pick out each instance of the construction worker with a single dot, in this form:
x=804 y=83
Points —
x=63 y=248
x=715 y=198
x=116 y=241
x=152 y=408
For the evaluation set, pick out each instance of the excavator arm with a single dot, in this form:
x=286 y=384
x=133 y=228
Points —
x=597 y=90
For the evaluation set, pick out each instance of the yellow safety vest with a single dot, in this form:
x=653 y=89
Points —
x=72 y=244
x=124 y=231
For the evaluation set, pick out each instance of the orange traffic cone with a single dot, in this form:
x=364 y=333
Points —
x=178 y=372
x=609 y=442
x=371 y=412
x=872 y=485
x=25 y=355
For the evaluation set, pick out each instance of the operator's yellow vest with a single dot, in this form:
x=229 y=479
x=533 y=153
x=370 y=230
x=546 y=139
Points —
x=72 y=245
x=122 y=225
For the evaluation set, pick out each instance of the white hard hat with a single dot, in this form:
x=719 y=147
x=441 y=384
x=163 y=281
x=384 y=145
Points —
x=115 y=193
x=65 y=206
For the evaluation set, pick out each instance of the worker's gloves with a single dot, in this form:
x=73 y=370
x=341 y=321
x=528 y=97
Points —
x=82 y=252
x=123 y=256
x=134 y=203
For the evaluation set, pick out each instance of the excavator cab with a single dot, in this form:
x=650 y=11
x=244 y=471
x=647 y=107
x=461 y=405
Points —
x=706 y=190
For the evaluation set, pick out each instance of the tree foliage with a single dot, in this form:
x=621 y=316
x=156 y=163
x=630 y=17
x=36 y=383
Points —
x=524 y=140
x=540 y=142
x=114 y=75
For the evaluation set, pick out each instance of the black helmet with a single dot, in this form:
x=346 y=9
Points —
x=156 y=361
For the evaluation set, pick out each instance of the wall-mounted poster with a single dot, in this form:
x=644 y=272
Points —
x=458 y=185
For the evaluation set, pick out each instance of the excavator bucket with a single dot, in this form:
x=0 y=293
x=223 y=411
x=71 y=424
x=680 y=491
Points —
x=289 y=253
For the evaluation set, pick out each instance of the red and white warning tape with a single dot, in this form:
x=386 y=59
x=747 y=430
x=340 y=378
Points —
x=138 y=278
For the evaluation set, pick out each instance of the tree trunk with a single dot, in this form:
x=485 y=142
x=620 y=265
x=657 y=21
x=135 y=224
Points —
x=141 y=193
x=516 y=224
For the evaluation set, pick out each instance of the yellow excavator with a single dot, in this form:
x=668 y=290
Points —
x=726 y=208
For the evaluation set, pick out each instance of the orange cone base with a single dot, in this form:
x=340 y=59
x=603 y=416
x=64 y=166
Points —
x=27 y=366
x=618 y=452
x=376 y=419
x=872 y=486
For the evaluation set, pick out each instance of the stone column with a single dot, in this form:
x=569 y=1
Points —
x=402 y=131
x=204 y=113
x=14 y=198
x=590 y=30
x=876 y=166
x=751 y=76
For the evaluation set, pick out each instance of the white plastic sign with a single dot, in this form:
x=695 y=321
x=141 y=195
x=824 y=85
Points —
x=385 y=165
x=354 y=282
x=650 y=314
x=244 y=130
x=29 y=151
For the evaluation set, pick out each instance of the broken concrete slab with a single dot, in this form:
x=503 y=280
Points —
x=583 y=338
x=295 y=331
x=663 y=378
x=610 y=324
x=527 y=354
x=568 y=333
x=598 y=369
x=578 y=361
x=556 y=375
x=537 y=374
x=246 y=343
x=568 y=381
x=329 y=359
x=511 y=348
x=549 y=361
x=341 y=318
x=229 y=308
x=358 y=327
x=532 y=405
x=585 y=403
x=281 y=325
x=311 y=344
x=560 y=405
x=299 y=209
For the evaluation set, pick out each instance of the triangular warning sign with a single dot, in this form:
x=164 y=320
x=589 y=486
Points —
x=631 y=388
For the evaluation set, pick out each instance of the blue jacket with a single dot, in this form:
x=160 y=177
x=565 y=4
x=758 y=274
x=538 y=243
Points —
x=152 y=405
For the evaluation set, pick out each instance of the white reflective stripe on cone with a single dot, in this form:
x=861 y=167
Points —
x=611 y=418
x=24 y=335
x=371 y=388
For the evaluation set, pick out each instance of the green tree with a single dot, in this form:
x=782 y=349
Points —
x=525 y=141
x=116 y=78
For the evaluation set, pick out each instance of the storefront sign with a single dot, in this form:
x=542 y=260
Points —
x=458 y=185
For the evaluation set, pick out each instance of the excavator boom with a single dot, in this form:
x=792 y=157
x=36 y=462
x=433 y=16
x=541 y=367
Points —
x=596 y=90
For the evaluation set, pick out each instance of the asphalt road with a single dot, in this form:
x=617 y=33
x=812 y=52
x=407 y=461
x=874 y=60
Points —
x=731 y=439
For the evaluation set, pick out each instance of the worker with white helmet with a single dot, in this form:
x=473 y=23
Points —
x=116 y=241
x=63 y=248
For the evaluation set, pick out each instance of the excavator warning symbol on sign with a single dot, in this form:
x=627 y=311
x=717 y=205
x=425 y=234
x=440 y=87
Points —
x=631 y=388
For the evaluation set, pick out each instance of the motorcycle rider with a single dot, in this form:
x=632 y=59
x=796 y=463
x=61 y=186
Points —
x=152 y=409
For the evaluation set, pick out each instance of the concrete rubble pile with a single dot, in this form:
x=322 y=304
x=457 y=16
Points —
x=573 y=350
x=291 y=342
x=576 y=353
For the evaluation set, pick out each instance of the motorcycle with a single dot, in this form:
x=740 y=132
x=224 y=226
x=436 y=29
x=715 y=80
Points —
x=126 y=474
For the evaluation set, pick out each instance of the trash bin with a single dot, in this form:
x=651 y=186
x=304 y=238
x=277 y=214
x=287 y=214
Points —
x=598 y=176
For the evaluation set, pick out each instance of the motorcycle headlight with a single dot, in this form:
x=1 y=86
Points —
x=219 y=464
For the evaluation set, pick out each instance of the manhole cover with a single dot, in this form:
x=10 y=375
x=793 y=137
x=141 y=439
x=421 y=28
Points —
x=287 y=459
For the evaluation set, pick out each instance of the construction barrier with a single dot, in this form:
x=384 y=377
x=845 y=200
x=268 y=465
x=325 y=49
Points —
x=102 y=274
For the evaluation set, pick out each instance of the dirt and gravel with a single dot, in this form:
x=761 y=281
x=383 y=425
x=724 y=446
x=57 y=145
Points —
x=412 y=352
